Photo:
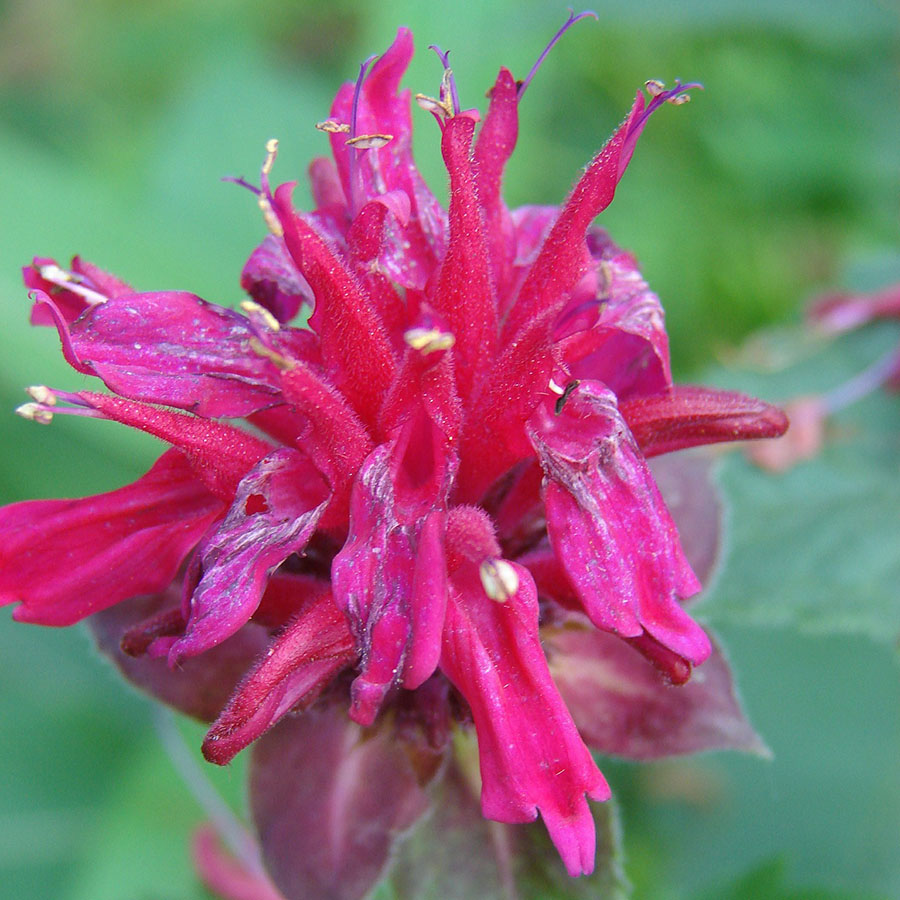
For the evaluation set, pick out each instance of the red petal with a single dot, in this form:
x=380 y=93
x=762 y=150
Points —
x=626 y=346
x=66 y=559
x=688 y=416
x=172 y=348
x=563 y=256
x=298 y=664
x=271 y=278
x=494 y=146
x=464 y=296
x=532 y=759
x=609 y=525
x=356 y=349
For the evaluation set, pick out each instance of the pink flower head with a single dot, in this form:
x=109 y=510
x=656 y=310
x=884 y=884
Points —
x=451 y=454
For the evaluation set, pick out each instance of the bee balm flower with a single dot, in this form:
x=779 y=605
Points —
x=451 y=455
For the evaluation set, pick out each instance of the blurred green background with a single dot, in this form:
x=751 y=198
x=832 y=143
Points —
x=117 y=121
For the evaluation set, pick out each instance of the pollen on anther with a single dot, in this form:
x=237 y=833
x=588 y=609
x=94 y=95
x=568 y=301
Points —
x=259 y=315
x=499 y=579
x=428 y=340
x=34 y=412
x=41 y=394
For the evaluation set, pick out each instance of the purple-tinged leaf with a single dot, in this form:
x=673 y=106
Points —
x=457 y=854
x=274 y=514
x=199 y=687
x=66 y=559
x=609 y=526
x=622 y=707
x=686 y=483
x=330 y=800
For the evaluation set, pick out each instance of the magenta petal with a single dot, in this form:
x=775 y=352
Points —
x=384 y=588
x=298 y=664
x=609 y=525
x=531 y=756
x=330 y=801
x=174 y=348
x=66 y=559
x=627 y=347
x=199 y=687
x=274 y=514
x=271 y=278
x=623 y=708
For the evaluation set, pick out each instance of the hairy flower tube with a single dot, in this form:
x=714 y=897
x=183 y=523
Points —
x=429 y=510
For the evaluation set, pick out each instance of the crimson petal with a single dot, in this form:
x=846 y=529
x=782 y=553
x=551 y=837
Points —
x=66 y=559
x=688 y=416
x=172 y=348
x=300 y=661
x=609 y=525
x=274 y=514
x=532 y=759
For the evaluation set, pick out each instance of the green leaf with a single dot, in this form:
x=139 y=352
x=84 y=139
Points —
x=816 y=547
x=457 y=854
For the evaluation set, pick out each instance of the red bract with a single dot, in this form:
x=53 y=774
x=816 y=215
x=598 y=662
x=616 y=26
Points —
x=454 y=455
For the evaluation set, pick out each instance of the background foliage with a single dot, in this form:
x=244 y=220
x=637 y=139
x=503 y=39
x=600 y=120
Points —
x=117 y=121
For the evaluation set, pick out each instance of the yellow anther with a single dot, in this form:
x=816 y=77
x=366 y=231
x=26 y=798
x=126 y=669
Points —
x=269 y=216
x=271 y=153
x=279 y=361
x=499 y=579
x=654 y=87
x=332 y=126
x=429 y=104
x=42 y=394
x=428 y=340
x=370 y=141
x=260 y=313
x=556 y=388
x=34 y=412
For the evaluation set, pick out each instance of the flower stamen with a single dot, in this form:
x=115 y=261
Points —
x=499 y=579
x=71 y=281
x=573 y=18
x=428 y=340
